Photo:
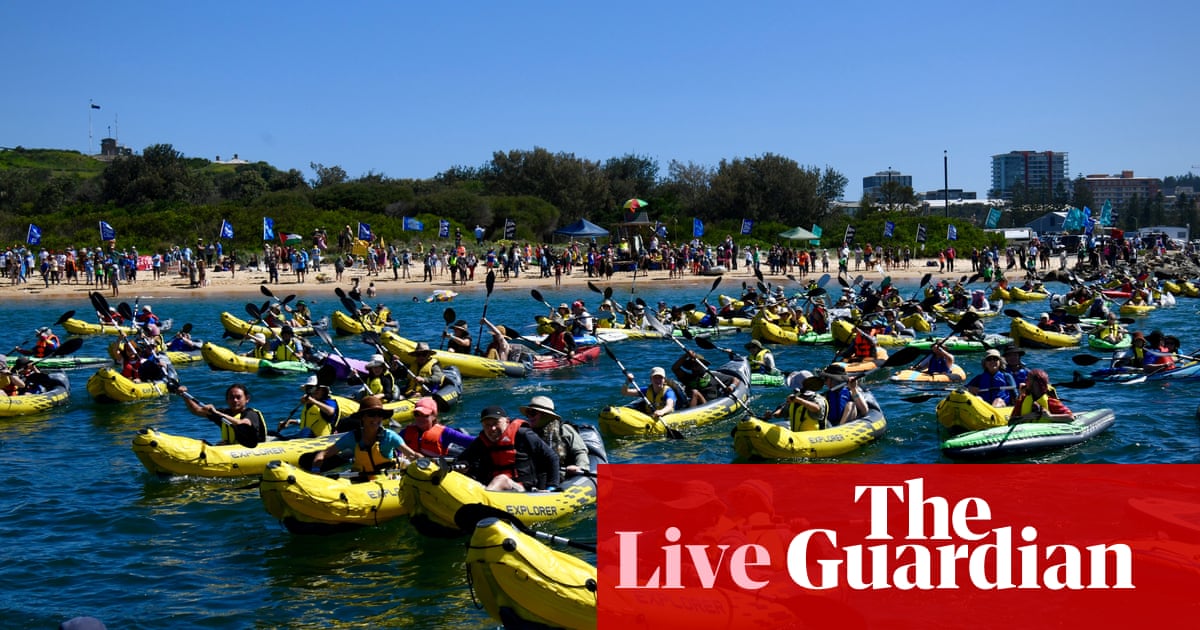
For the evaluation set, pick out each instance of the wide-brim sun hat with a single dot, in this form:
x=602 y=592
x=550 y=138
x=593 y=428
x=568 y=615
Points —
x=541 y=404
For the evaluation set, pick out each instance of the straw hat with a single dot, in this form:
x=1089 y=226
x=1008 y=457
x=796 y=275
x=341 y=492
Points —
x=377 y=360
x=422 y=349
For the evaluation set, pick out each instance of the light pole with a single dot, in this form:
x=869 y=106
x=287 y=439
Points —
x=946 y=180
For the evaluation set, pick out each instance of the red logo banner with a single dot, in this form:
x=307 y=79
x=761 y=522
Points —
x=898 y=546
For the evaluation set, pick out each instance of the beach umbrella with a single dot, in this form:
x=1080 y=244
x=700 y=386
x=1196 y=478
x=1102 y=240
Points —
x=798 y=234
x=633 y=205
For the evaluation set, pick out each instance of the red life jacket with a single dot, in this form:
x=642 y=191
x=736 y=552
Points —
x=428 y=442
x=863 y=349
x=504 y=451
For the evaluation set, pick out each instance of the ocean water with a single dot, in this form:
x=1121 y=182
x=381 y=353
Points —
x=88 y=531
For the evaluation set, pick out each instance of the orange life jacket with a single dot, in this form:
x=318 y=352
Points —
x=428 y=442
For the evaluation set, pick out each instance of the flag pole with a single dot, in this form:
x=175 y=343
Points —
x=91 y=106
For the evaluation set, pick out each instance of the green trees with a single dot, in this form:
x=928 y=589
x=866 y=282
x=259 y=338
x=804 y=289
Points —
x=159 y=194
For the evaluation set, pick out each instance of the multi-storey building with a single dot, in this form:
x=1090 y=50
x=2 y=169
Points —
x=1039 y=170
x=873 y=184
x=1119 y=189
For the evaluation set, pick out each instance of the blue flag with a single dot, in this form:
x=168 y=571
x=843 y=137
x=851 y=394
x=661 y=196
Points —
x=661 y=230
x=1106 y=213
x=107 y=233
x=951 y=233
x=226 y=229
x=412 y=225
x=34 y=237
x=889 y=228
x=268 y=229
x=848 y=237
x=993 y=218
x=364 y=232
x=510 y=229
x=443 y=229
x=697 y=228
x=747 y=225
x=816 y=230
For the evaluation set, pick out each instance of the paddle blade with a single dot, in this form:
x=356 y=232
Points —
x=125 y=310
x=287 y=300
x=704 y=342
x=98 y=302
x=326 y=375
x=69 y=346
x=1012 y=312
x=448 y=316
x=490 y=283
x=593 y=287
x=350 y=306
x=64 y=317
x=339 y=292
x=920 y=398
x=926 y=278
x=187 y=328
x=266 y=291
x=252 y=311
x=355 y=295
x=903 y=356
x=537 y=295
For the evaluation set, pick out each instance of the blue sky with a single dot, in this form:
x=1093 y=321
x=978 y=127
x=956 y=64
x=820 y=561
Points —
x=408 y=90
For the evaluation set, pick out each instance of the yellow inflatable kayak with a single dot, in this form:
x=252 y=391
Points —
x=308 y=503
x=238 y=327
x=1017 y=294
x=696 y=315
x=166 y=455
x=956 y=375
x=80 y=327
x=917 y=322
x=1136 y=309
x=57 y=392
x=1026 y=334
x=108 y=385
x=222 y=358
x=770 y=332
x=435 y=494
x=344 y=324
x=757 y=438
x=843 y=331
x=963 y=411
x=632 y=421
x=514 y=575
x=1000 y=293
x=467 y=364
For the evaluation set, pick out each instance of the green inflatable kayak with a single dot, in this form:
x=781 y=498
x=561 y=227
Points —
x=1097 y=343
x=767 y=380
x=66 y=363
x=1028 y=437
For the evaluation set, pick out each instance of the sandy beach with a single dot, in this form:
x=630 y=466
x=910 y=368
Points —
x=388 y=288
x=247 y=282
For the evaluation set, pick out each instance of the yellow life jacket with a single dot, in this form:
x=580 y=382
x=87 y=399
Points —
x=312 y=420
x=756 y=360
x=286 y=352
x=368 y=461
x=658 y=399
x=1027 y=403
x=801 y=419
x=227 y=434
